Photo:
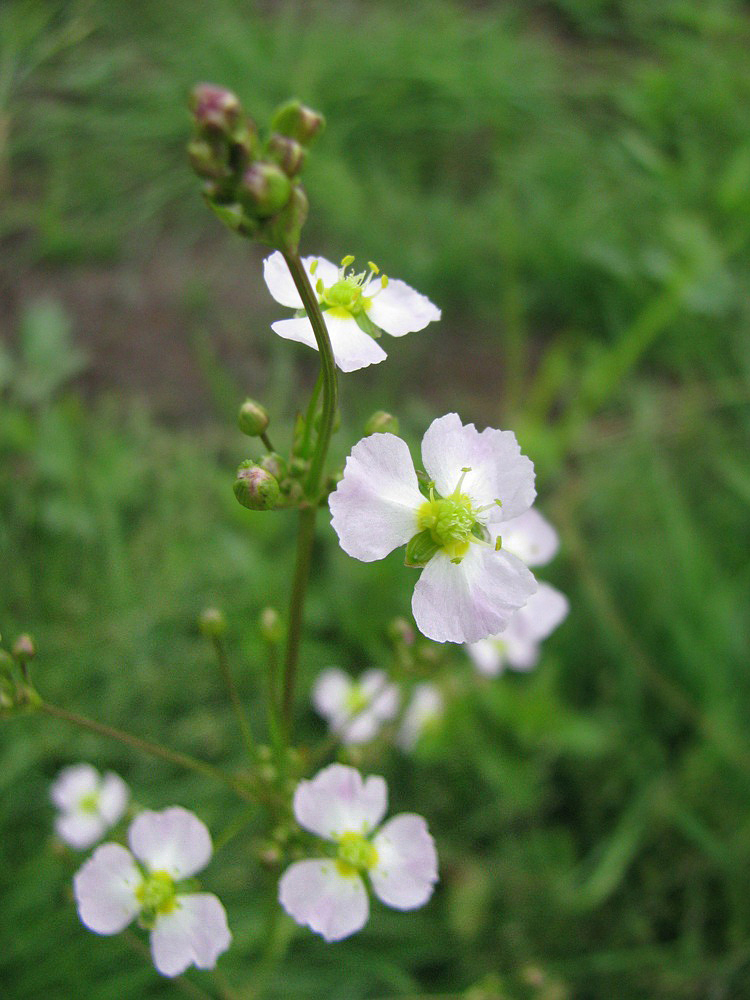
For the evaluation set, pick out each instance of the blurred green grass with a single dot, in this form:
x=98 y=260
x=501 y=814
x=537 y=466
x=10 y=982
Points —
x=571 y=182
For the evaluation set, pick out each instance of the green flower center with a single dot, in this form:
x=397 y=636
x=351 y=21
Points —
x=356 y=700
x=345 y=298
x=89 y=803
x=157 y=894
x=355 y=854
x=450 y=521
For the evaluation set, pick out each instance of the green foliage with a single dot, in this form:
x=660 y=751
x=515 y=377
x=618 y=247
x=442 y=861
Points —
x=571 y=182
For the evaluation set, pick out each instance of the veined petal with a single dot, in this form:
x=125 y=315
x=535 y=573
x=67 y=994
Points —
x=105 y=890
x=113 y=798
x=194 y=933
x=315 y=894
x=530 y=537
x=73 y=784
x=399 y=309
x=375 y=505
x=406 y=872
x=470 y=600
x=330 y=691
x=80 y=829
x=498 y=469
x=338 y=801
x=173 y=841
x=281 y=285
x=352 y=348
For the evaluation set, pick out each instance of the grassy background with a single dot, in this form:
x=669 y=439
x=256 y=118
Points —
x=570 y=181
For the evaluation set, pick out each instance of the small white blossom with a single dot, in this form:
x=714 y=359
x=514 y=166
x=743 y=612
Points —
x=518 y=645
x=356 y=308
x=89 y=804
x=355 y=709
x=530 y=537
x=115 y=886
x=468 y=589
x=426 y=708
x=328 y=894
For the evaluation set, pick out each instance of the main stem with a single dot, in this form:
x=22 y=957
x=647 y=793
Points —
x=306 y=534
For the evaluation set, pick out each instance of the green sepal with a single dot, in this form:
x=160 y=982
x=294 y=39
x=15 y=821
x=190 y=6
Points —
x=366 y=324
x=231 y=215
x=420 y=549
x=480 y=531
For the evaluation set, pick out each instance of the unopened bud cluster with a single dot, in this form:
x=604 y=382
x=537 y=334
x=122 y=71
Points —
x=252 y=184
x=16 y=691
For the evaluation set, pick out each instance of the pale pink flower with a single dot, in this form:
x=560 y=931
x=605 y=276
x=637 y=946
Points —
x=468 y=588
x=115 y=886
x=398 y=859
x=356 y=308
x=355 y=709
x=89 y=804
x=425 y=709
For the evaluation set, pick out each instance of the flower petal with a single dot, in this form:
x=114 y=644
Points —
x=173 y=841
x=113 y=798
x=73 y=784
x=330 y=691
x=426 y=707
x=383 y=696
x=375 y=505
x=80 y=829
x=281 y=285
x=470 y=600
x=352 y=348
x=498 y=469
x=315 y=894
x=399 y=309
x=530 y=537
x=338 y=801
x=541 y=615
x=406 y=872
x=105 y=890
x=194 y=933
x=489 y=655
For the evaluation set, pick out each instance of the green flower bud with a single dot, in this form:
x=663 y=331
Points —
x=212 y=623
x=24 y=648
x=215 y=108
x=275 y=464
x=381 y=423
x=252 y=418
x=271 y=626
x=288 y=153
x=400 y=631
x=255 y=488
x=264 y=189
x=298 y=122
x=207 y=161
x=420 y=549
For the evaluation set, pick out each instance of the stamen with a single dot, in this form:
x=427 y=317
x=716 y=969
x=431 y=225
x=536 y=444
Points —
x=314 y=266
x=374 y=269
x=464 y=471
x=488 y=506
x=346 y=261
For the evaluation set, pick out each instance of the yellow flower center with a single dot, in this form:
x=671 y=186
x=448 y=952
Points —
x=89 y=803
x=156 y=893
x=356 y=700
x=355 y=854
x=449 y=521
x=344 y=298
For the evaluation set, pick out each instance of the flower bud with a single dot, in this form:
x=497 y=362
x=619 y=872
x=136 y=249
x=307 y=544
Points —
x=275 y=464
x=264 y=189
x=288 y=153
x=400 y=631
x=271 y=627
x=24 y=648
x=298 y=122
x=212 y=623
x=206 y=160
x=215 y=108
x=255 y=488
x=381 y=423
x=252 y=418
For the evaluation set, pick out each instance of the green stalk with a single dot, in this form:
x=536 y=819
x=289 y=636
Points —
x=240 y=714
x=306 y=533
x=147 y=747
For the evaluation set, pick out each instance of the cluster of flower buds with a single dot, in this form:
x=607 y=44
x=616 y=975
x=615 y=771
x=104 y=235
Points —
x=16 y=691
x=250 y=183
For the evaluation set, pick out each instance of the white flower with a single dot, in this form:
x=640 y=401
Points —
x=356 y=307
x=468 y=590
x=518 y=645
x=115 y=886
x=328 y=894
x=424 y=710
x=530 y=537
x=355 y=709
x=89 y=804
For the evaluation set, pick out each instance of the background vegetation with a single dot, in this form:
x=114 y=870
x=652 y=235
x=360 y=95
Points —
x=570 y=181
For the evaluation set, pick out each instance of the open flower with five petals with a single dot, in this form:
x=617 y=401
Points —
x=357 y=308
x=469 y=586
x=89 y=804
x=115 y=886
x=398 y=859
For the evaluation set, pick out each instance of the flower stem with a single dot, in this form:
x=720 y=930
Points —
x=306 y=532
x=147 y=747
x=239 y=711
